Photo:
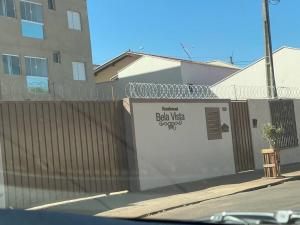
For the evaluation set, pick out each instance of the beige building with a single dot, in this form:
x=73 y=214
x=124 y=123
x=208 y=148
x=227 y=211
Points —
x=45 y=50
x=113 y=76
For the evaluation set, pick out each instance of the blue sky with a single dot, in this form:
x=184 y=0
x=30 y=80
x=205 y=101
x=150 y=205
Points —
x=210 y=29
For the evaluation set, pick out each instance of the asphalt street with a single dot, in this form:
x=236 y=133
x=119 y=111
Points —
x=281 y=197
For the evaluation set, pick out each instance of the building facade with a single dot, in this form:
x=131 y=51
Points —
x=113 y=76
x=251 y=82
x=45 y=50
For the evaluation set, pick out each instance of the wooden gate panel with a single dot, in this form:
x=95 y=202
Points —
x=242 y=140
x=4 y=157
x=9 y=170
x=61 y=150
x=106 y=125
x=103 y=180
x=67 y=150
x=94 y=148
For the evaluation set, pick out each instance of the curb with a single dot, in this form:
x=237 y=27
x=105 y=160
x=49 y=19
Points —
x=197 y=202
x=286 y=179
x=51 y=205
x=264 y=186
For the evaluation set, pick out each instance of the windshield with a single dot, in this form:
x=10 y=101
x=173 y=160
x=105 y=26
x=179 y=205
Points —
x=159 y=110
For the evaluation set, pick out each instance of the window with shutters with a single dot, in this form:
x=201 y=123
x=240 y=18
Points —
x=51 y=4
x=32 y=20
x=79 y=71
x=213 y=123
x=7 y=8
x=74 y=21
x=11 y=64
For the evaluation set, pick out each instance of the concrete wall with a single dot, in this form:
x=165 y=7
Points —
x=167 y=157
x=74 y=47
x=259 y=109
x=202 y=74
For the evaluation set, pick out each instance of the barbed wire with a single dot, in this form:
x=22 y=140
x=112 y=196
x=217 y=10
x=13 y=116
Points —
x=183 y=91
x=13 y=92
x=168 y=91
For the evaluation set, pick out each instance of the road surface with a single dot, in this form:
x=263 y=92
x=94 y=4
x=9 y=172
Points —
x=280 y=197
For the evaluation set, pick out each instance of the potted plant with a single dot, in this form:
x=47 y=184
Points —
x=273 y=134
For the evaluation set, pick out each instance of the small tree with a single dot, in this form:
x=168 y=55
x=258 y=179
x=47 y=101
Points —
x=272 y=134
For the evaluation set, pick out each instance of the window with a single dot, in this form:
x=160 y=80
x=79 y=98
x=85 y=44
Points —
x=37 y=74
x=51 y=4
x=7 y=8
x=213 y=123
x=56 y=57
x=74 y=22
x=36 y=67
x=283 y=115
x=11 y=64
x=32 y=20
x=254 y=123
x=78 y=71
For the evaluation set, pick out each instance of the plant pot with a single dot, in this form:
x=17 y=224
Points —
x=271 y=160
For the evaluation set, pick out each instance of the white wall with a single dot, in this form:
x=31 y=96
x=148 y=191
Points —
x=147 y=69
x=202 y=74
x=2 y=189
x=148 y=65
x=259 y=109
x=104 y=90
x=167 y=157
x=250 y=81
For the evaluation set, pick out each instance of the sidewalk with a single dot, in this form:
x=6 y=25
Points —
x=141 y=204
x=154 y=206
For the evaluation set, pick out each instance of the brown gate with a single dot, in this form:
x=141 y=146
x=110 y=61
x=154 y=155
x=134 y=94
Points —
x=54 y=151
x=241 y=135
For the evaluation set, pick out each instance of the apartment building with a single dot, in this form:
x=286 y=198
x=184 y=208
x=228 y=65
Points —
x=45 y=50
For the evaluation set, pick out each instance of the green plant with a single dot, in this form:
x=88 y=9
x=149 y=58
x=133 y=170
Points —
x=272 y=134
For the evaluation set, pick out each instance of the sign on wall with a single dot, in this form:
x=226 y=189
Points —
x=171 y=141
x=37 y=84
x=170 y=117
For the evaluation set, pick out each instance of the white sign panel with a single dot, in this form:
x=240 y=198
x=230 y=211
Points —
x=172 y=144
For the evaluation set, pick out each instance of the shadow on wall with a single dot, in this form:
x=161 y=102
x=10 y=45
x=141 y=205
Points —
x=117 y=89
